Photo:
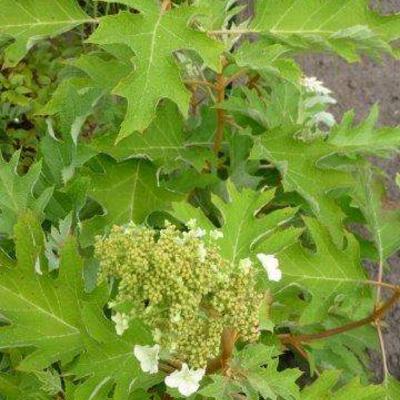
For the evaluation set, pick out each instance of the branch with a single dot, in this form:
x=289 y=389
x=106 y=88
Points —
x=199 y=82
x=219 y=134
x=166 y=5
x=228 y=340
x=377 y=315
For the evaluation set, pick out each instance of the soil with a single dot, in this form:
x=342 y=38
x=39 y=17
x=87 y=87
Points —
x=359 y=86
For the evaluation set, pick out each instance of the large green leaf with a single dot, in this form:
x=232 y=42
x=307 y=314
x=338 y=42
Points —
x=29 y=21
x=325 y=273
x=154 y=35
x=258 y=365
x=382 y=218
x=108 y=362
x=20 y=385
x=254 y=373
x=17 y=192
x=43 y=312
x=298 y=163
x=127 y=191
x=244 y=231
x=165 y=141
x=365 y=137
x=347 y=27
x=324 y=389
x=392 y=386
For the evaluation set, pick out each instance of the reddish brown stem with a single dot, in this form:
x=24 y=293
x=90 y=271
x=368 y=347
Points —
x=228 y=340
x=375 y=316
x=166 y=5
x=219 y=134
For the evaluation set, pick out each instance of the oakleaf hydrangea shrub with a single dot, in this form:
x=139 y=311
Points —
x=181 y=213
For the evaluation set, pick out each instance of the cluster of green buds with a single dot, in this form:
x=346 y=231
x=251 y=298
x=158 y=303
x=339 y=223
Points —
x=178 y=284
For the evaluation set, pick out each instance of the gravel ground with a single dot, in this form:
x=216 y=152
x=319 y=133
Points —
x=359 y=86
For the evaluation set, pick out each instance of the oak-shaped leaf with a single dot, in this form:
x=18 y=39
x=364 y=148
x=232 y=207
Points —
x=325 y=273
x=245 y=229
x=17 y=192
x=154 y=35
x=165 y=141
x=127 y=191
x=325 y=387
x=346 y=27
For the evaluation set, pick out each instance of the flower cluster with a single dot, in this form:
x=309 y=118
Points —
x=180 y=286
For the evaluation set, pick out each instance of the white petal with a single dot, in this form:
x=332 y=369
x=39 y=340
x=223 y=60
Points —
x=188 y=388
x=274 y=275
x=268 y=260
x=198 y=232
x=121 y=323
x=216 y=234
x=148 y=357
x=324 y=117
x=191 y=224
x=198 y=374
x=186 y=380
x=202 y=252
x=271 y=265
x=173 y=380
x=245 y=265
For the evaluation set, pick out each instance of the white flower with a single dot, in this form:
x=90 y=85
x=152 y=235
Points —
x=192 y=223
x=323 y=117
x=245 y=265
x=187 y=381
x=216 y=234
x=271 y=266
x=121 y=323
x=202 y=252
x=313 y=85
x=176 y=317
x=157 y=335
x=148 y=357
x=198 y=233
x=180 y=240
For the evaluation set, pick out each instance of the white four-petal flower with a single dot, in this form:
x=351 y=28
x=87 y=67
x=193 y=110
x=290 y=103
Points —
x=271 y=266
x=245 y=265
x=202 y=252
x=187 y=380
x=216 y=234
x=148 y=357
x=121 y=323
x=313 y=85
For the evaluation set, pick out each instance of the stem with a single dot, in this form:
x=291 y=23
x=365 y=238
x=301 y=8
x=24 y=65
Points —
x=199 y=82
x=231 y=32
x=166 y=5
x=383 y=351
x=219 y=134
x=374 y=317
x=228 y=340
x=235 y=76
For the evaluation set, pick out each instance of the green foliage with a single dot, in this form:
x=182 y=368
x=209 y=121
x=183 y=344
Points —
x=160 y=35
x=17 y=192
x=28 y=22
x=346 y=27
x=189 y=122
